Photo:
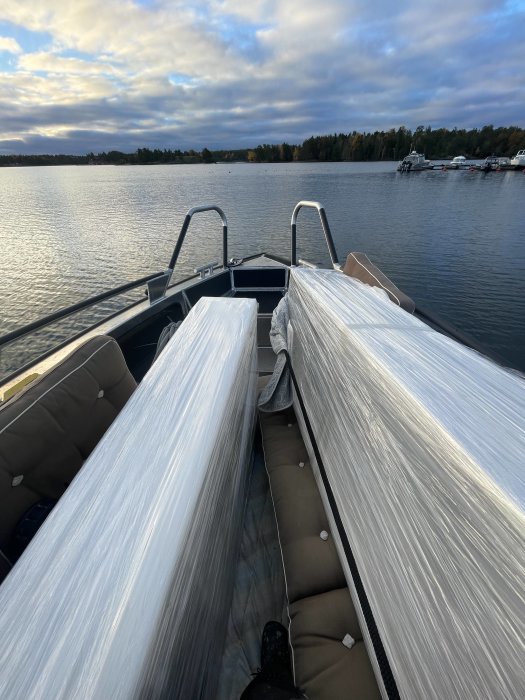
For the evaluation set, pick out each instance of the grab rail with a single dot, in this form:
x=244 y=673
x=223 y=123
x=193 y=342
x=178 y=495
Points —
x=326 y=229
x=157 y=282
x=185 y=226
x=68 y=311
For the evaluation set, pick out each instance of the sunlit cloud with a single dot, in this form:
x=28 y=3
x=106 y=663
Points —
x=9 y=45
x=103 y=74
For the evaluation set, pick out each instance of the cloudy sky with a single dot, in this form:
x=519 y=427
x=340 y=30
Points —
x=92 y=75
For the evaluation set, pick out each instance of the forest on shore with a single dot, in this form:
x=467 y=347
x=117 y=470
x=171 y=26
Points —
x=355 y=146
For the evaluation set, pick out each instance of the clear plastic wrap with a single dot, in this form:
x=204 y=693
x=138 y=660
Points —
x=125 y=590
x=423 y=442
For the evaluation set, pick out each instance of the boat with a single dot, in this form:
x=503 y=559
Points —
x=414 y=161
x=494 y=163
x=518 y=161
x=266 y=439
x=458 y=162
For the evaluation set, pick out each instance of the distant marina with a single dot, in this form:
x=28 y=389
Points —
x=415 y=162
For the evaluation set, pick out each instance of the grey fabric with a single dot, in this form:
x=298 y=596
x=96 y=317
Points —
x=277 y=394
x=259 y=593
x=166 y=334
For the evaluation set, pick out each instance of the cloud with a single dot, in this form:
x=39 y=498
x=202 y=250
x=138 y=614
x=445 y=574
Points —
x=45 y=62
x=231 y=73
x=9 y=45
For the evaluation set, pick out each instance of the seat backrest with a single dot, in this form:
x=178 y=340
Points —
x=49 y=429
x=359 y=266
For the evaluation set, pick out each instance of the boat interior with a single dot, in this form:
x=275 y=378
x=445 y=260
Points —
x=287 y=557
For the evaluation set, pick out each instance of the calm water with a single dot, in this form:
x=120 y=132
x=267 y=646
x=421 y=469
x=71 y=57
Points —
x=454 y=241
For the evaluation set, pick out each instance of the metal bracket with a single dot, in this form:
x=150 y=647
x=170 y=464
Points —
x=157 y=287
x=310 y=265
x=186 y=304
x=207 y=269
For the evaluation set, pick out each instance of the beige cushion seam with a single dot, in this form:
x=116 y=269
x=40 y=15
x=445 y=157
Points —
x=55 y=385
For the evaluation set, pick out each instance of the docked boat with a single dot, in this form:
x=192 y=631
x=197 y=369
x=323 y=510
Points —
x=457 y=163
x=518 y=161
x=414 y=161
x=494 y=163
x=265 y=440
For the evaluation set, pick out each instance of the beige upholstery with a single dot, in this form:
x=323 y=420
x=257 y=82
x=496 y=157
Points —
x=321 y=610
x=49 y=429
x=327 y=668
x=358 y=265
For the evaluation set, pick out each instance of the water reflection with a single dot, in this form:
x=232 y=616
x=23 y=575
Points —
x=453 y=240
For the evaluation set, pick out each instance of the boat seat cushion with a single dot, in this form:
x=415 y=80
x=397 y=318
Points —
x=359 y=266
x=311 y=562
x=321 y=610
x=49 y=429
x=326 y=667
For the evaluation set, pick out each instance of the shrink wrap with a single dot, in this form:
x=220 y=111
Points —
x=125 y=590
x=423 y=443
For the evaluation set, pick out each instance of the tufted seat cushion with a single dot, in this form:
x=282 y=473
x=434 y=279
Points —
x=327 y=667
x=320 y=607
x=311 y=563
x=49 y=429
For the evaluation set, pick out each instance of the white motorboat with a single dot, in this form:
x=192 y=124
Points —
x=414 y=161
x=518 y=161
x=458 y=163
x=148 y=531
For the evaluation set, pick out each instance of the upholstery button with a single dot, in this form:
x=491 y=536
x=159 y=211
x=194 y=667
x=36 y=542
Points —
x=17 y=480
x=348 y=641
x=100 y=394
x=323 y=535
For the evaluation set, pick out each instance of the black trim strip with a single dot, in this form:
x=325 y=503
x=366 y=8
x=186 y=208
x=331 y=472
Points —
x=435 y=321
x=382 y=659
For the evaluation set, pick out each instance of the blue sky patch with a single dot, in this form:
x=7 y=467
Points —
x=29 y=41
x=241 y=37
x=180 y=79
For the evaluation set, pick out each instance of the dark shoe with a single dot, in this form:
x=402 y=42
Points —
x=274 y=680
x=261 y=690
x=274 y=646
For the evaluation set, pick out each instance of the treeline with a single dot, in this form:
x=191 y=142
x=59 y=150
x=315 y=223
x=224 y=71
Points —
x=356 y=146
x=43 y=160
x=396 y=143
x=142 y=156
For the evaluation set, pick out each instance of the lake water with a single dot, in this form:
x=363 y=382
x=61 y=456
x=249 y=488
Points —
x=454 y=241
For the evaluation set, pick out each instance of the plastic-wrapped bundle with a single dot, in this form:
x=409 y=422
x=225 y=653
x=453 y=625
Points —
x=423 y=442
x=125 y=590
